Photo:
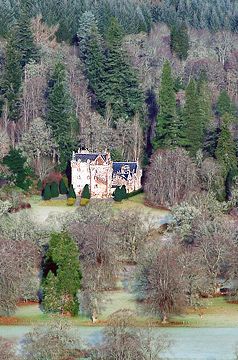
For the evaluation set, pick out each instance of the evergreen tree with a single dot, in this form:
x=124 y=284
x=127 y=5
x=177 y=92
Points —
x=226 y=148
x=121 y=88
x=94 y=64
x=193 y=120
x=16 y=162
x=224 y=104
x=59 y=116
x=60 y=289
x=62 y=187
x=71 y=193
x=180 y=41
x=46 y=194
x=54 y=188
x=205 y=102
x=12 y=78
x=118 y=194
x=86 y=25
x=86 y=192
x=167 y=128
x=24 y=37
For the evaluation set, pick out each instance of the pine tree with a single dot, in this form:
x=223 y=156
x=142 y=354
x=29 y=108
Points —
x=71 y=193
x=180 y=41
x=167 y=128
x=86 y=24
x=16 y=162
x=63 y=255
x=86 y=192
x=62 y=187
x=12 y=78
x=121 y=88
x=47 y=192
x=193 y=120
x=205 y=102
x=94 y=63
x=54 y=188
x=226 y=148
x=59 y=116
x=24 y=37
x=224 y=104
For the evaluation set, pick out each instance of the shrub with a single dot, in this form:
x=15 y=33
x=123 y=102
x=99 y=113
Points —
x=62 y=187
x=47 y=192
x=71 y=201
x=118 y=194
x=54 y=187
x=124 y=192
x=52 y=177
x=134 y=193
x=71 y=193
x=86 y=192
x=84 y=202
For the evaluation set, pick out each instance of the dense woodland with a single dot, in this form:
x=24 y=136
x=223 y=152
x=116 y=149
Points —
x=154 y=81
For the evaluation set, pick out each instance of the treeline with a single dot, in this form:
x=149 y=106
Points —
x=213 y=15
x=132 y=16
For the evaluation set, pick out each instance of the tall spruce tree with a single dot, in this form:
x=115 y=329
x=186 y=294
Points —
x=121 y=86
x=12 y=78
x=205 y=102
x=94 y=64
x=180 y=40
x=60 y=287
x=224 y=104
x=193 y=119
x=17 y=163
x=24 y=37
x=226 y=148
x=60 y=114
x=86 y=24
x=167 y=128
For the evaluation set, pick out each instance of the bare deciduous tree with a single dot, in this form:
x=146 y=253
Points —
x=171 y=177
x=7 y=351
x=159 y=281
x=123 y=341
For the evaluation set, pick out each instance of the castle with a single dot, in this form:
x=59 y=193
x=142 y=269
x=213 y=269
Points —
x=102 y=174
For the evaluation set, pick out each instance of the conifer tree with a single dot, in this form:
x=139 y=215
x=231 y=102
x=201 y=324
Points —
x=224 y=104
x=24 y=37
x=47 y=192
x=54 y=188
x=226 y=148
x=121 y=87
x=180 y=41
x=193 y=119
x=167 y=128
x=124 y=192
x=86 y=24
x=59 y=116
x=62 y=187
x=71 y=192
x=205 y=102
x=94 y=64
x=12 y=78
x=16 y=162
x=60 y=289
x=86 y=192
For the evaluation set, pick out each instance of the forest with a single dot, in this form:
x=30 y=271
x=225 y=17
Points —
x=153 y=81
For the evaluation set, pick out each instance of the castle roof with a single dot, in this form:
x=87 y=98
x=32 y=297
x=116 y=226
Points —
x=90 y=156
x=124 y=169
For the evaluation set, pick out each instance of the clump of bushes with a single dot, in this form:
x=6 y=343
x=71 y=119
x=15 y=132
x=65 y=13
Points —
x=71 y=201
x=120 y=193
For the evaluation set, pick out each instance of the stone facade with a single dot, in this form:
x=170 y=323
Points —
x=102 y=174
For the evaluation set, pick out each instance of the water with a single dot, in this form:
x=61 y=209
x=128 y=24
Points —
x=188 y=343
